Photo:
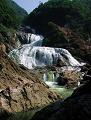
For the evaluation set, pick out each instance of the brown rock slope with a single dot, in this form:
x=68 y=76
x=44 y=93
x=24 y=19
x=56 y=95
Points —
x=21 y=89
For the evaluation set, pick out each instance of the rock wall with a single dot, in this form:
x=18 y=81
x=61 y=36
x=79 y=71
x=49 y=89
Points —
x=21 y=89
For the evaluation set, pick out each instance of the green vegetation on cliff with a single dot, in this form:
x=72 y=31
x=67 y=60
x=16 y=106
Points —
x=74 y=14
x=11 y=17
x=11 y=14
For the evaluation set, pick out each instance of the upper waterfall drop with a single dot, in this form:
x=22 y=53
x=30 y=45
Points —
x=27 y=38
x=34 y=55
x=36 y=40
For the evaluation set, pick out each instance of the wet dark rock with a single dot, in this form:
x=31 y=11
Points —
x=1 y=66
x=87 y=76
x=23 y=67
x=62 y=80
x=85 y=68
x=60 y=63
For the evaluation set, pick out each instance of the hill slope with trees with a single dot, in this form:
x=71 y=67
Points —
x=11 y=14
x=74 y=14
x=11 y=17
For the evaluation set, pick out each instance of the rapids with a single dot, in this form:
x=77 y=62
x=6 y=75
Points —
x=35 y=55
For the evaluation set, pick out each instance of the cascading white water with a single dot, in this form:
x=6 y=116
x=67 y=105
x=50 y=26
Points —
x=45 y=77
x=34 y=55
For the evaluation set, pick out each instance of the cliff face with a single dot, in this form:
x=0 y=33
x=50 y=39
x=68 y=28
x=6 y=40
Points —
x=21 y=89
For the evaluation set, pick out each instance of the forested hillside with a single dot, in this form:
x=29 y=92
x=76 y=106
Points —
x=11 y=14
x=11 y=17
x=70 y=13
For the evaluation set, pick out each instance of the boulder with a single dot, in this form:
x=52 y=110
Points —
x=62 y=80
x=69 y=78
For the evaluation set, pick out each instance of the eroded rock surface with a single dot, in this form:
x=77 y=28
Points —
x=20 y=89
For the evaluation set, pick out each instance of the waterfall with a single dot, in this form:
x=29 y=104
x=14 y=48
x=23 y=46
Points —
x=45 y=77
x=34 y=55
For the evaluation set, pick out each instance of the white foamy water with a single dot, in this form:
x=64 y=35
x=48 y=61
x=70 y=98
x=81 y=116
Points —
x=34 y=55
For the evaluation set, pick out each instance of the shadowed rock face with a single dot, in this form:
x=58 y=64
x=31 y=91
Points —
x=75 y=44
x=21 y=89
x=4 y=115
x=76 y=107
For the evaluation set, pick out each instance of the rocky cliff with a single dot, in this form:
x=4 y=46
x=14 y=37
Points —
x=21 y=89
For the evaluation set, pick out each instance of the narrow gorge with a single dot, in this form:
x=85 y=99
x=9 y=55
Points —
x=45 y=60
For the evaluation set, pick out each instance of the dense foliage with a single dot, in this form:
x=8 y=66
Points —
x=11 y=14
x=11 y=17
x=55 y=38
x=71 y=13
